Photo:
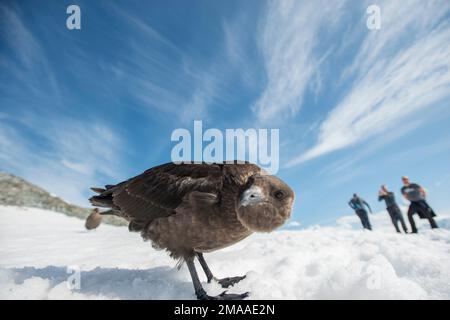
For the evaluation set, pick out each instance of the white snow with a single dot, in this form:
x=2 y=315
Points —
x=40 y=249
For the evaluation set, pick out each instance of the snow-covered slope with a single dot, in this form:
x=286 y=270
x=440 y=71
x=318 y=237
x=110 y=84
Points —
x=37 y=247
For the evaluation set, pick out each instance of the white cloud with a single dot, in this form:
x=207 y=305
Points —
x=348 y=163
x=63 y=155
x=161 y=76
x=293 y=224
x=19 y=38
x=29 y=65
x=11 y=145
x=240 y=48
x=80 y=155
x=289 y=35
x=391 y=86
x=79 y=167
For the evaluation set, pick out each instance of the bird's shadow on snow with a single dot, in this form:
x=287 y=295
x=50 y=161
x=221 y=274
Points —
x=114 y=283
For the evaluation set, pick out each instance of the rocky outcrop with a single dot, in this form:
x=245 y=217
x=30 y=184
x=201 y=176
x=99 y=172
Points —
x=15 y=191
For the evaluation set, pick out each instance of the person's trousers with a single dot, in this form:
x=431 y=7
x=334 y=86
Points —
x=424 y=210
x=362 y=214
x=396 y=215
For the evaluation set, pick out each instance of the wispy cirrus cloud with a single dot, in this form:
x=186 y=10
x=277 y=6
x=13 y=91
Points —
x=77 y=155
x=30 y=64
x=164 y=76
x=59 y=134
x=289 y=36
x=63 y=154
x=398 y=74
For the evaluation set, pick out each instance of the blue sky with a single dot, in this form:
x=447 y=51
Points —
x=355 y=107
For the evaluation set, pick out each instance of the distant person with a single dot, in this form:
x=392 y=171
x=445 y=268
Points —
x=357 y=203
x=392 y=208
x=417 y=195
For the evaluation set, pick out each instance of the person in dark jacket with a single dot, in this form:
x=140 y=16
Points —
x=357 y=203
x=392 y=208
x=417 y=196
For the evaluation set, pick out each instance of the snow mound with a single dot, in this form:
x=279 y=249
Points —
x=41 y=253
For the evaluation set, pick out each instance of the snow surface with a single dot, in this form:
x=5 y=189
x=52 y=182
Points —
x=341 y=262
